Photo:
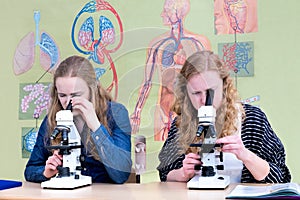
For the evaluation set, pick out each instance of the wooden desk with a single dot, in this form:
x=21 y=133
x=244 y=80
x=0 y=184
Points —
x=151 y=191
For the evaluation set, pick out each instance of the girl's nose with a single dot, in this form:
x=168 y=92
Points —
x=203 y=99
x=68 y=100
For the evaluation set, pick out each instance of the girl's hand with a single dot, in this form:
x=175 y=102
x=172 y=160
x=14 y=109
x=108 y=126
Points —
x=258 y=167
x=87 y=111
x=233 y=144
x=189 y=163
x=52 y=163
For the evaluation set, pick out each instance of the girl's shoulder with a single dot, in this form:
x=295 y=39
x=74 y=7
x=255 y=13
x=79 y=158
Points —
x=113 y=105
x=251 y=110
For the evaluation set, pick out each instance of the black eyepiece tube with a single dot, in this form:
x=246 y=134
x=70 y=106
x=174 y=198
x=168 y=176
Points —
x=209 y=97
x=69 y=106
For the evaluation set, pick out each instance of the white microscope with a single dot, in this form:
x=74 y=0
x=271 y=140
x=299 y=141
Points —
x=69 y=175
x=207 y=177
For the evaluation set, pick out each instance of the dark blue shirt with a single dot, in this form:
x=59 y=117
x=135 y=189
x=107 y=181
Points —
x=113 y=149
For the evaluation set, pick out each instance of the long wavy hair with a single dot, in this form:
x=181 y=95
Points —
x=227 y=119
x=76 y=66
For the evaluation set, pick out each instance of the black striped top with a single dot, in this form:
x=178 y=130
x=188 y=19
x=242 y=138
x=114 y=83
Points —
x=257 y=136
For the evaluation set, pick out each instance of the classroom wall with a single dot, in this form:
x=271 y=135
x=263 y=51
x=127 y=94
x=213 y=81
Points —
x=276 y=66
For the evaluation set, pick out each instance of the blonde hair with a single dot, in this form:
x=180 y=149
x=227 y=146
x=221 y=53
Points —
x=76 y=66
x=227 y=115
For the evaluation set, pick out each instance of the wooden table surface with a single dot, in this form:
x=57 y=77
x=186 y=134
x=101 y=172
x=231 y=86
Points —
x=144 y=191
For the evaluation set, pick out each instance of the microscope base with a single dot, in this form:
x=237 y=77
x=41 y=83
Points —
x=209 y=182
x=67 y=182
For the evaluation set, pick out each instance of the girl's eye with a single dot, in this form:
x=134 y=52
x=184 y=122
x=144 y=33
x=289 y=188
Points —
x=197 y=93
x=61 y=95
x=75 y=95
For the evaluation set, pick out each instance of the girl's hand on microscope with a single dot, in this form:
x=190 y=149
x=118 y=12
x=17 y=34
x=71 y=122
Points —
x=189 y=163
x=87 y=111
x=233 y=144
x=52 y=163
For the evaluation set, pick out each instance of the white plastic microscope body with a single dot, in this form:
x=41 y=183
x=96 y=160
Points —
x=206 y=115
x=70 y=160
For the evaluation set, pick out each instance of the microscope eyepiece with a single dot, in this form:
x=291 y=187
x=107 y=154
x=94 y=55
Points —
x=69 y=106
x=209 y=97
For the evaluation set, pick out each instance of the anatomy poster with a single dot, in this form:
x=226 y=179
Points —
x=235 y=16
x=97 y=32
x=239 y=57
x=28 y=140
x=165 y=57
x=33 y=41
x=34 y=100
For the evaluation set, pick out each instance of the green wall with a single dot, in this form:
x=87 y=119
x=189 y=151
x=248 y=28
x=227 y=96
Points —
x=276 y=65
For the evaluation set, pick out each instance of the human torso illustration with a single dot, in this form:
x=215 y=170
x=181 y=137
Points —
x=166 y=54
